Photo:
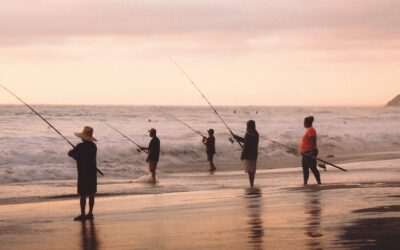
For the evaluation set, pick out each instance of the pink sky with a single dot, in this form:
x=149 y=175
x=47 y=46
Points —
x=239 y=52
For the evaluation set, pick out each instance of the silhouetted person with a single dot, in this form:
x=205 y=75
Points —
x=85 y=155
x=154 y=152
x=250 y=150
x=309 y=151
x=210 y=148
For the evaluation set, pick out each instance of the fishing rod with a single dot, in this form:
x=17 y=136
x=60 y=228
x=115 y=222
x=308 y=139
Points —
x=226 y=125
x=308 y=155
x=34 y=111
x=184 y=123
x=139 y=148
x=209 y=103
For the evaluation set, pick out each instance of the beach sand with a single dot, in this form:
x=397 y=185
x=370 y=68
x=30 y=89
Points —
x=359 y=209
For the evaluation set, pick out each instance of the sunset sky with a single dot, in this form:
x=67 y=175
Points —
x=303 y=52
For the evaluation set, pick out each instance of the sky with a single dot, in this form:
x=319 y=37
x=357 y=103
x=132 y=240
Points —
x=280 y=53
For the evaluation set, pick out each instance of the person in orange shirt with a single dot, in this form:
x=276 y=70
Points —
x=309 y=151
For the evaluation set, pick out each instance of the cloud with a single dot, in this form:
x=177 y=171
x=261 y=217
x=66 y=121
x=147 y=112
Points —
x=41 y=20
x=88 y=28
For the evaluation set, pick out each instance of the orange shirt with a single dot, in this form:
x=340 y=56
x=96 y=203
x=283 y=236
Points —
x=307 y=144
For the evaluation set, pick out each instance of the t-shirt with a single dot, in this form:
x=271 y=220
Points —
x=307 y=144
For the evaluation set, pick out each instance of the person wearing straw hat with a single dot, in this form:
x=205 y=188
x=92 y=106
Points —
x=153 y=152
x=85 y=155
x=210 y=148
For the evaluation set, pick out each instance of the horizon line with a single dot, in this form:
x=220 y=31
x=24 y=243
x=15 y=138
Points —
x=195 y=105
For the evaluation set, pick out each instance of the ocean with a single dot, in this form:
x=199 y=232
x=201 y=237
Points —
x=34 y=161
x=30 y=150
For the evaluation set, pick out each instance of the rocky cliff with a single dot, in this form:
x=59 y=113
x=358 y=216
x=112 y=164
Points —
x=395 y=102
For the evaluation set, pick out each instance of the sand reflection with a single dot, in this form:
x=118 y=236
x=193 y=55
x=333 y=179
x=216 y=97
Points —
x=254 y=221
x=313 y=218
x=89 y=236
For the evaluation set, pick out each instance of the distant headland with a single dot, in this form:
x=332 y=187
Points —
x=395 y=102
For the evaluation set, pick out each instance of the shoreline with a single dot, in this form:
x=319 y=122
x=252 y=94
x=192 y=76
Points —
x=279 y=213
x=56 y=190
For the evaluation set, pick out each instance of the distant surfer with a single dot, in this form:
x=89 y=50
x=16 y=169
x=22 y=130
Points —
x=210 y=148
x=309 y=151
x=85 y=155
x=250 y=150
x=154 y=153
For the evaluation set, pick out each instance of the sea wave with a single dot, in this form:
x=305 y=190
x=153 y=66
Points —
x=29 y=150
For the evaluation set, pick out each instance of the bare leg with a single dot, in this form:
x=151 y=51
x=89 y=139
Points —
x=212 y=166
x=82 y=217
x=251 y=179
x=83 y=204
x=152 y=170
x=91 y=203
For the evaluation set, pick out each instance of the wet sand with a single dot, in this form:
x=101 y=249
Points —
x=355 y=210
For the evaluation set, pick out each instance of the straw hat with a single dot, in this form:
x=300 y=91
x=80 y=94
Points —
x=87 y=134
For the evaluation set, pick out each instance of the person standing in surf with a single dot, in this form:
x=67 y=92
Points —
x=309 y=151
x=250 y=150
x=85 y=155
x=210 y=148
x=153 y=153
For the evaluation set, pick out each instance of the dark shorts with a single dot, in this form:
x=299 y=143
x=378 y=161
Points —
x=308 y=161
x=152 y=166
x=210 y=157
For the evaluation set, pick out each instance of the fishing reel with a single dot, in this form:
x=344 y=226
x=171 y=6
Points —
x=323 y=166
x=231 y=140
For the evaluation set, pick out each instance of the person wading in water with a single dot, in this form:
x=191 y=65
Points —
x=309 y=151
x=250 y=150
x=154 y=153
x=85 y=155
x=210 y=148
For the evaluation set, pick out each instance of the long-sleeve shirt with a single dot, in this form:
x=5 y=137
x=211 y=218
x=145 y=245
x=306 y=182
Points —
x=210 y=145
x=250 y=147
x=154 y=149
x=85 y=155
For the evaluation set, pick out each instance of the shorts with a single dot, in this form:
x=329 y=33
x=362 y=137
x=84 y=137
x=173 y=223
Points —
x=210 y=157
x=250 y=166
x=152 y=166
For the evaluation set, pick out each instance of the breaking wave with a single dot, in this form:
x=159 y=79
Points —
x=30 y=151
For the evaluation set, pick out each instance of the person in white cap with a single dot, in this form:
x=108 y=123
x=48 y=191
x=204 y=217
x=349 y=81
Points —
x=153 y=152
x=85 y=155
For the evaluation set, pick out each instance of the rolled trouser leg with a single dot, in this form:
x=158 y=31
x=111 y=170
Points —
x=314 y=169
x=306 y=173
